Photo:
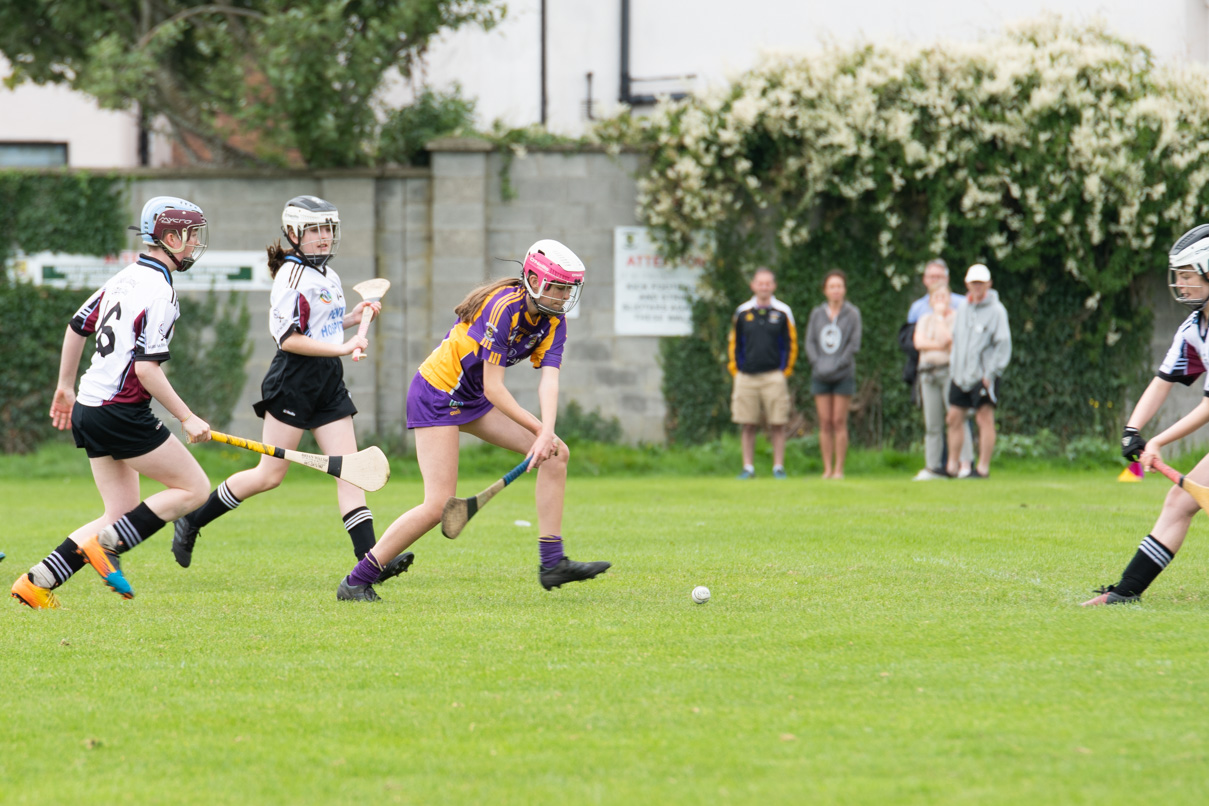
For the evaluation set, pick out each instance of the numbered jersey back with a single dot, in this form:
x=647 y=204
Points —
x=132 y=316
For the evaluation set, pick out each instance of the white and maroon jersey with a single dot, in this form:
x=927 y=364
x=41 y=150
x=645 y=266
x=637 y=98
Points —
x=306 y=300
x=133 y=316
x=1188 y=355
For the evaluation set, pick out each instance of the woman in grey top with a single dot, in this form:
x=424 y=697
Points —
x=833 y=337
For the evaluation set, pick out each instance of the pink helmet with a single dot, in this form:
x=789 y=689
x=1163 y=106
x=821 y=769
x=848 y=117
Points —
x=554 y=265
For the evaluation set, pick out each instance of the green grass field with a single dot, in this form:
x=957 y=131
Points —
x=870 y=641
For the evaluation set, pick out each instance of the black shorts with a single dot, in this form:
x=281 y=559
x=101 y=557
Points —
x=305 y=391
x=976 y=398
x=120 y=430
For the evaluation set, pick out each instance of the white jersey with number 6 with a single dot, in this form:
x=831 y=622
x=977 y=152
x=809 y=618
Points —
x=133 y=316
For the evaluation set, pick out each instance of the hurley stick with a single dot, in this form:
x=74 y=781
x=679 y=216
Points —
x=370 y=291
x=367 y=469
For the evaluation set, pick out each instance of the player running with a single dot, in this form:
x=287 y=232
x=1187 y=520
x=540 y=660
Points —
x=460 y=389
x=304 y=387
x=133 y=316
x=1188 y=277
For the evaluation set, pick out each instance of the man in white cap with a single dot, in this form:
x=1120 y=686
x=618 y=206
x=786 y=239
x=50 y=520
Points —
x=982 y=348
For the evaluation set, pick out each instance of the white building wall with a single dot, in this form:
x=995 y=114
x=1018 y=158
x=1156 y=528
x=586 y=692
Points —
x=715 y=40
x=712 y=39
x=95 y=138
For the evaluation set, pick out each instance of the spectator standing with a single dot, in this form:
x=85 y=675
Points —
x=934 y=341
x=936 y=273
x=833 y=338
x=982 y=348
x=763 y=348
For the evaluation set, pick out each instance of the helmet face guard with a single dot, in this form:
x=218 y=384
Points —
x=1188 y=286
x=168 y=214
x=192 y=236
x=1188 y=268
x=553 y=277
x=312 y=227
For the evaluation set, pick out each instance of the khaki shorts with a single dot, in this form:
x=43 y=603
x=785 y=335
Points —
x=760 y=398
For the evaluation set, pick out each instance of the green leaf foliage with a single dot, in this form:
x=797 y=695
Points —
x=78 y=213
x=210 y=352
x=575 y=425
x=33 y=320
x=1058 y=155
x=434 y=114
x=263 y=81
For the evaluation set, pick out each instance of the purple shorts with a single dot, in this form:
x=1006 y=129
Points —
x=428 y=406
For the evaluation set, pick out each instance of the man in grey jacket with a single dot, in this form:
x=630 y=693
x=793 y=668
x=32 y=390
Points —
x=982 y=348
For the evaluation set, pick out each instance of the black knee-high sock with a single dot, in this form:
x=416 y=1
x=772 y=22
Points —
x=220 y=502
x=360 y=525
x=1152 y=557
x=59 y=565
x=134 y=527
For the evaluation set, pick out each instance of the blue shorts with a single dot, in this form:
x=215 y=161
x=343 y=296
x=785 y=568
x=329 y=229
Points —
x=428 y=406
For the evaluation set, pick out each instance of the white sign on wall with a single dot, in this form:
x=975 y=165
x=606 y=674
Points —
x=221 y=271
x=651 y=296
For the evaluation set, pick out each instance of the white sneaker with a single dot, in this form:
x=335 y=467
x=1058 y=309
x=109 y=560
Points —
x=964 y=473
x=925 y=475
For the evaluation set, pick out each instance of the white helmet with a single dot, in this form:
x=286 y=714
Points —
x=555 y=265
x=303 y=213
x=164 y=214
x=1190 y=256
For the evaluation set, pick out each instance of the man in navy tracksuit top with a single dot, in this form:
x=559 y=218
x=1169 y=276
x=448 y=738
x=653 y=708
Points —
x=763 y=348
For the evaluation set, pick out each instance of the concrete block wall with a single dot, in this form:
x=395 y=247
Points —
x=435 y=234
x=578 y=198
x=244 y=213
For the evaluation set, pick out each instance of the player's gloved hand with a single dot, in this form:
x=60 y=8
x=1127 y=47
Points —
x=1132 y=444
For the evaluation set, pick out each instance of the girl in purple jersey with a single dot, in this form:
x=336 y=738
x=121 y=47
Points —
x=460 y=389
x=133 y=316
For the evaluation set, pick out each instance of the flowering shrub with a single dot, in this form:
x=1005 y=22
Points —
x=1059 y=155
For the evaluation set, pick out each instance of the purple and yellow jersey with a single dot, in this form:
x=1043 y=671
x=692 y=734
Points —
x=502 y=332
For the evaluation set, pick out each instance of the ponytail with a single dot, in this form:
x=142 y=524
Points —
x=467 y=308
x=277 y=257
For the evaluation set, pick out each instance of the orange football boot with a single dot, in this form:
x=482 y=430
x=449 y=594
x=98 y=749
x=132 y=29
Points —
x=39 y=598
x=106 y=564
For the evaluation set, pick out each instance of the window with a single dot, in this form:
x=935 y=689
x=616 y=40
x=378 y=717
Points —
x=32 y=155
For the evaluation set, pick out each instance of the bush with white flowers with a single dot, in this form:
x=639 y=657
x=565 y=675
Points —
x=1060 y=155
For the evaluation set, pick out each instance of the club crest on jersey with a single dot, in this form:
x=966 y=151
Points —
x=489 y=334
x=326 y=296
x=774 y=317
x=750 y=316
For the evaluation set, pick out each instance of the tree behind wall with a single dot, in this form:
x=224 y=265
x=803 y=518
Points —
x=1057 y=154
x=237 y=84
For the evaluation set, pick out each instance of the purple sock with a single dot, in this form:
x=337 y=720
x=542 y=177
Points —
x=366 y=572
x=551 y=548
